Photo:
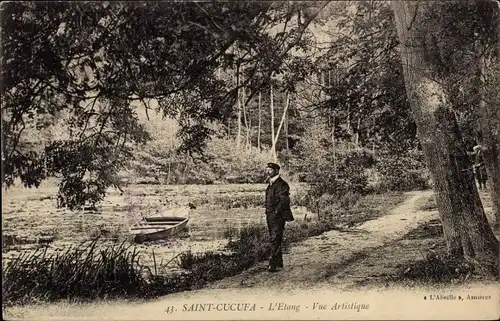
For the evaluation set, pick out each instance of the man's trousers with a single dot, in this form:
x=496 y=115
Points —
x=276 y=226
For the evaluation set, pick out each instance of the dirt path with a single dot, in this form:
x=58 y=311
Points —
x=318 y=259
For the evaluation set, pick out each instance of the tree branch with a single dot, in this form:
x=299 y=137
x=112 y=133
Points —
x=300 y=32
x=89 y=116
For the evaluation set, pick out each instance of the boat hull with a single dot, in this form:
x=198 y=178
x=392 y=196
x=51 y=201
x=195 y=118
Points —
x=157 y=228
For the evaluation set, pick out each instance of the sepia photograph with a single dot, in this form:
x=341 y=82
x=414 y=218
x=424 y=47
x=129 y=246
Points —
x=250 y=160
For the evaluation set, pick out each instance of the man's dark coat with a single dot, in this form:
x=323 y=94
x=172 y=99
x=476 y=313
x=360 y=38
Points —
x=278 y=199
x=277 y=213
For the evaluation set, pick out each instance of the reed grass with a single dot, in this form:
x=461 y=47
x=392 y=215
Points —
x=84 y=272
x=90 y=271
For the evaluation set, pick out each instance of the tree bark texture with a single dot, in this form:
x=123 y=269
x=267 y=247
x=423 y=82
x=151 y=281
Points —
x=334 y=151
x=357 y=132
x=489 y=120
x=245 y=118
x=491 y=156
x=465 y=225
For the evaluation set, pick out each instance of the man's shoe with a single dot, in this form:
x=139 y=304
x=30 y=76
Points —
x=272 y=269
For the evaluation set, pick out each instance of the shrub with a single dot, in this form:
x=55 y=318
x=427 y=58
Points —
x=334 y=182
x=207 y=267
x=353 y=208
x=402 y=172
x=298 y=232
x=342 y=175
x=301 y=197
x=349 y=200
x=251 y=246
x=436 y=268
x=329 y=171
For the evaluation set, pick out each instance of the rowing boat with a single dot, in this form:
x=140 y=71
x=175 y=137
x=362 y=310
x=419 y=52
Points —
x=157 y=227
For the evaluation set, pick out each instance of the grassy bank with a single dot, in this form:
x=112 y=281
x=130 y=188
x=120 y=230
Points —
x=90 y=271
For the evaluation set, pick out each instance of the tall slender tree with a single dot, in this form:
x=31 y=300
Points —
x=260 y=121
x=271 y=105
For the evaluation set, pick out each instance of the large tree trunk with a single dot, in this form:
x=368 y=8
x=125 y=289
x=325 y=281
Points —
x=287 y=146
x=169 y=172
x=491 y=155
x=465 y=226
x=357 y=133
x=334 y=150
x=249 y=133
x=489 y=119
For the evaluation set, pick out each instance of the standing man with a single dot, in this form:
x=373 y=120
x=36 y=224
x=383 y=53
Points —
x=479 y=167
x=278 y=212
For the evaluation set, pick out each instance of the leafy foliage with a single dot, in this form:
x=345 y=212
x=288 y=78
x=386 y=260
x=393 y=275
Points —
x=76 y=76
x=364 y=80
x=402 y=172
x=221 y=164
x=456 y=52
x=329 y=172
x=92 y=60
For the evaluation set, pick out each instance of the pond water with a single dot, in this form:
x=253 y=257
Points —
x=210 y=224
x=29 y=215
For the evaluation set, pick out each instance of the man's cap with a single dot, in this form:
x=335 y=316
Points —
x=273 y=166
